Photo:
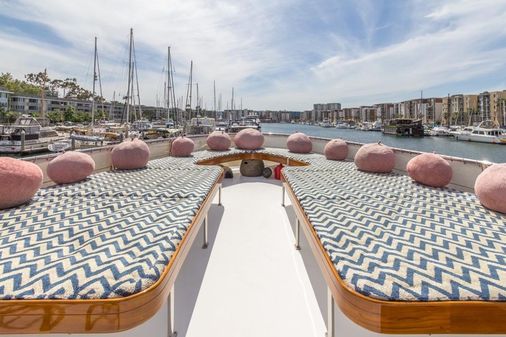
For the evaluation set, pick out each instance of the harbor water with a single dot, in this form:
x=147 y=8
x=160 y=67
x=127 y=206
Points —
x=443 y=145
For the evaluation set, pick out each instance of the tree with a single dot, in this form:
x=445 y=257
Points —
x=69 y=114
x=55 y=116
x=10 y=116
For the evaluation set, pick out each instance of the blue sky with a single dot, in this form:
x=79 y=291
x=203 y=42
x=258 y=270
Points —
x=277 y=54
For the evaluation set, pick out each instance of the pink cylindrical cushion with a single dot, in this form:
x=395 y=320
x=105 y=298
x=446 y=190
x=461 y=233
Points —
x=131 y=154
x=182 y=147
x=299 y=143
x=70 y=167
x=376 y=158
x=336 y=149
x=219 y=141
x=430 y=169
x=490 y=187
x=19 y=181
x=249 y=139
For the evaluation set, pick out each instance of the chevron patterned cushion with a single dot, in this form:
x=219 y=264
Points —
x=109 y=236
x=394 y=240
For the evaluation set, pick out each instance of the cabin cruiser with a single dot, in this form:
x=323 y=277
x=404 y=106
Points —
x=26 y=135
x=201 y=125
x=326 y=124
x=221 y=125
x=440 y=131
x=248 y=122
x=485 y=132
x=175 y=249
x=141 y=125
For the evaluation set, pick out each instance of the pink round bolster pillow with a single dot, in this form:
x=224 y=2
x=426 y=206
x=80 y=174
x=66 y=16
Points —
x=218 y=141
x=376 y=158
x=249 y=139
x=182 y=147
x=299 y=143
x=70 y=167
x=430 y=169
x=490 y=187
x=131 y=154
x=19 y=181
x=336 y=149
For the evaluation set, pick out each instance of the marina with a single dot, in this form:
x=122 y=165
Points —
x=442 y=145
x=318 y=169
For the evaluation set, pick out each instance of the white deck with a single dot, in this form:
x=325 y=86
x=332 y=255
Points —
x=250 y=281
x=255 y=283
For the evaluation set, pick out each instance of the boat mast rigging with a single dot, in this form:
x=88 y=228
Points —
x=96 y=76
x=188 y=107
x=127 y=97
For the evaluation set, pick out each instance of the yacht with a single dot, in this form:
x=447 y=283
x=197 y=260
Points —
x=485 y=132
x=177 y=250
x=26 y=135
x=440 y=131
x=248 y=122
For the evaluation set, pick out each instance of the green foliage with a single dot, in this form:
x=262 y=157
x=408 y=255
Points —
x=38 y=83
x=55 y=116
x=10 y=116
x=69 y=113
x=21 y=87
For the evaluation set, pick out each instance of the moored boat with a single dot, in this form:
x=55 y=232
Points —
x=404 y=127
x=485 y=132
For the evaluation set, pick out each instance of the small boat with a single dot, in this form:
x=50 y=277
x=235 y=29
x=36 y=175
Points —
x=440 y=131
x=485 y=132
x=325 y=124
x=60 y=145
x=221 y=126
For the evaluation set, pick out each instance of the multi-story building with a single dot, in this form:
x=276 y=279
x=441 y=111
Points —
x=497 y=106
x=484 y=105
x=471 y=109
x=4 y=99
x=326 y=111
x=368 y=114
x=384 y=111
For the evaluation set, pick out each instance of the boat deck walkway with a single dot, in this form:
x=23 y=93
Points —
x=250 y=281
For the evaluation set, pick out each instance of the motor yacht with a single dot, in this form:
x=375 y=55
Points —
x=485 y=132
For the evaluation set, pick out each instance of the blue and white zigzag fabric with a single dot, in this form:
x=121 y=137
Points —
x=392 y=239
x=109 y=236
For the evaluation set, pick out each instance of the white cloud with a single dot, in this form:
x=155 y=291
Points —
x=238 y=43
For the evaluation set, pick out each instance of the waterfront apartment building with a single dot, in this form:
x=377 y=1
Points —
x=32 y=104
x=368 y=114
x=491 y=106
x=384 y=111
x=326 y=111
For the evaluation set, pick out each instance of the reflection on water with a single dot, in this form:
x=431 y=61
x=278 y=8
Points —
x=442 y=145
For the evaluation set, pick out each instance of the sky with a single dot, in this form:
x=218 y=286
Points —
x=276 y=54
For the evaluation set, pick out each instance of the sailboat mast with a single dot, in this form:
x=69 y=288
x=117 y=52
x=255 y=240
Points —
x=111 y=110
x=214 y=94
x=168 y=84
x=189 y=92
x=139 y=108
x=129 y=77
x=94 y=80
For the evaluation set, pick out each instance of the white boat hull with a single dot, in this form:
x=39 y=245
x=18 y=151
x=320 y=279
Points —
x=481 y=138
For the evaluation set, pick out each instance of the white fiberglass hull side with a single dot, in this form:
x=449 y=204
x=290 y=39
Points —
x=481 y=138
